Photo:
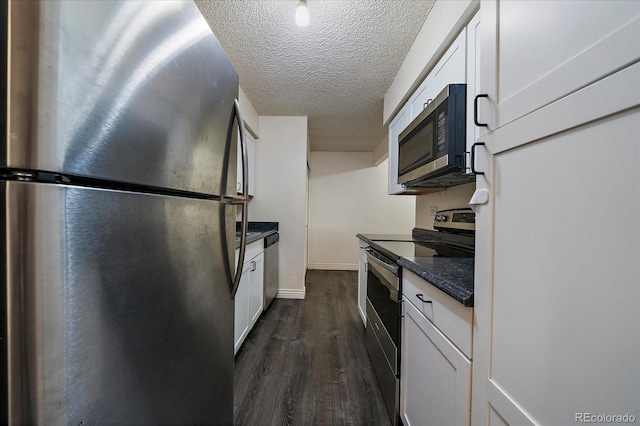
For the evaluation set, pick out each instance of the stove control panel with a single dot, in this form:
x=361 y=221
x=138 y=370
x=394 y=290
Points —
x=441 y=218
x=455 y=220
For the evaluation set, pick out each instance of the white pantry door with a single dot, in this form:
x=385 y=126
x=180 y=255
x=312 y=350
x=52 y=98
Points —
x=556 y=327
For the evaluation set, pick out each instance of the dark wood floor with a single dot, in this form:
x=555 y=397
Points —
x=306 y=363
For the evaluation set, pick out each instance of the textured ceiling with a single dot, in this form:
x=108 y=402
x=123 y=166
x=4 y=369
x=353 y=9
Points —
x=336 y=71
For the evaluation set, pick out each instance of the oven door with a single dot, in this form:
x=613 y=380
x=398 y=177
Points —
x=383 y=292
x=382 y=333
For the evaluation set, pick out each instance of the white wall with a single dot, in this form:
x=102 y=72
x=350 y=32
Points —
x=249 y=114
x=281 y=195
x=347 y=196
x=452 y=198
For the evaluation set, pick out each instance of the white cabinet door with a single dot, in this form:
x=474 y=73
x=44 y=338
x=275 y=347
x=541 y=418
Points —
x=399 y=123
x=362 y=282
x=251 y=153
x=473 y=83
x=555 y=295
x=450 y=69
x=422 y=97
x=239 y=175
x=249 y=298
x=557 y=289
x=241 y=325
x=256 y=292
x=435 y=377
x=535 y=53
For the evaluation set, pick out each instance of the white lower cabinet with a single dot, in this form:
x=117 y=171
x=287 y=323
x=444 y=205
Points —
x=256 y=288
x=362 y=282
x=241 y=315
x=435 y=375
x=249 y=298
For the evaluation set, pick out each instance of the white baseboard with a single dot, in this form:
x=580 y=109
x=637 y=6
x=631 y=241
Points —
x=291 y=294
x=363 y=316
x=334 y=266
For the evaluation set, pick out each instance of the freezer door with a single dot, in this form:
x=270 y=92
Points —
x=118 y=308
x=126 y=91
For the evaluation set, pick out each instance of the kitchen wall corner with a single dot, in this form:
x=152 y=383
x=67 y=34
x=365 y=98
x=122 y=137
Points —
x=381 y=152
x=347 y=196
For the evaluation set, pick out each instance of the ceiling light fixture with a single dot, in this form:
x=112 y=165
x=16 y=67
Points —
x=302 y=14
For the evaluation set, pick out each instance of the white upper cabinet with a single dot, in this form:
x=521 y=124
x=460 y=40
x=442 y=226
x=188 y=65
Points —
x=251 y=158
x=450 y=69
x=536 y=55
x=399 y=123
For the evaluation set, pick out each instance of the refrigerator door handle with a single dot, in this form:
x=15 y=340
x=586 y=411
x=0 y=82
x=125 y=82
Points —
x=243 y=199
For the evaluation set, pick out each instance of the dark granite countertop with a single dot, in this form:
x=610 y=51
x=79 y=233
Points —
x=452 y=275
x=257 y=231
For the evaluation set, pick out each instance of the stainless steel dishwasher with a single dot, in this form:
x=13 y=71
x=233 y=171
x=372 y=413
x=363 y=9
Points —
x=270 y=268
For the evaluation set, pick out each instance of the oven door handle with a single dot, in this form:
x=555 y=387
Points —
x=386 y=266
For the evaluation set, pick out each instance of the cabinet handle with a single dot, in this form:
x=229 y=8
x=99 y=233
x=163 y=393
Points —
x=253 y=265
x=366 y=267
x=475 y=110
x=421 y=297
x=473 y=158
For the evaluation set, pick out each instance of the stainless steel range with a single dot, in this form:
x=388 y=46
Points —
x=454 y=238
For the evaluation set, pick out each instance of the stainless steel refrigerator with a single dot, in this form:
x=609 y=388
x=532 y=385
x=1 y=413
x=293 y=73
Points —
x=118 y=214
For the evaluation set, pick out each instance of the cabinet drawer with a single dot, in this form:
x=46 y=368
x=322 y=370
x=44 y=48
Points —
x=252 y=250
x=450 y=316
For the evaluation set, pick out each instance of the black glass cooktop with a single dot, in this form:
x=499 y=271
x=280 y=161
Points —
x=396 y=249
x=405 y=249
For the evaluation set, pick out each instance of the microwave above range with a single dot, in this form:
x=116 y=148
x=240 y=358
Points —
x=432 y=149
